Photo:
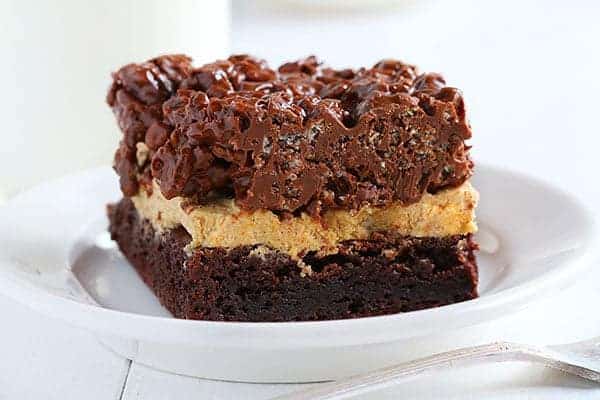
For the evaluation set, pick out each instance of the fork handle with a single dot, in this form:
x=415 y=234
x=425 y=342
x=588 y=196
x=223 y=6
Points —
x=360 y=384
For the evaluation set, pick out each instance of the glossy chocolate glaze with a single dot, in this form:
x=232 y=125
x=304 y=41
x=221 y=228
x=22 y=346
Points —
x=300 y=138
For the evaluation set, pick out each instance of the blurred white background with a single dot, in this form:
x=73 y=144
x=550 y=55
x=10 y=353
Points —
x=528 y=69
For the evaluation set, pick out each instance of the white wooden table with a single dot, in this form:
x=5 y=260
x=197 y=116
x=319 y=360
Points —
x=530 y=72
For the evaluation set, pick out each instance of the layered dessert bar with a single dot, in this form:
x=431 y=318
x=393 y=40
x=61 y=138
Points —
x=295 y=194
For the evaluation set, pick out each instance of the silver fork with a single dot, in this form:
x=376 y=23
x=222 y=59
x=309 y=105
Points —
x=580 y=358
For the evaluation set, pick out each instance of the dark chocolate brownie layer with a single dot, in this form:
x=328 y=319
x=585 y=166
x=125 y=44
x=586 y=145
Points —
x=299 y=138
x=369 y=277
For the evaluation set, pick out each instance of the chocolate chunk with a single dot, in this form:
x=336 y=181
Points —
x=300 y=138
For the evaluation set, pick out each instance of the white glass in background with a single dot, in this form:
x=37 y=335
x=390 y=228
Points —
x=55 y=70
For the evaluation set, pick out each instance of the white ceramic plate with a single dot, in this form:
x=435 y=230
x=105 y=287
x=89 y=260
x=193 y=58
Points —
x=57 y=257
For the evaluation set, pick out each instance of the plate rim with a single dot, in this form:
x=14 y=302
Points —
x=294 y=334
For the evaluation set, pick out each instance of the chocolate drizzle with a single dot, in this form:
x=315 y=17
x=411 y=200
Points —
x=302 y=138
